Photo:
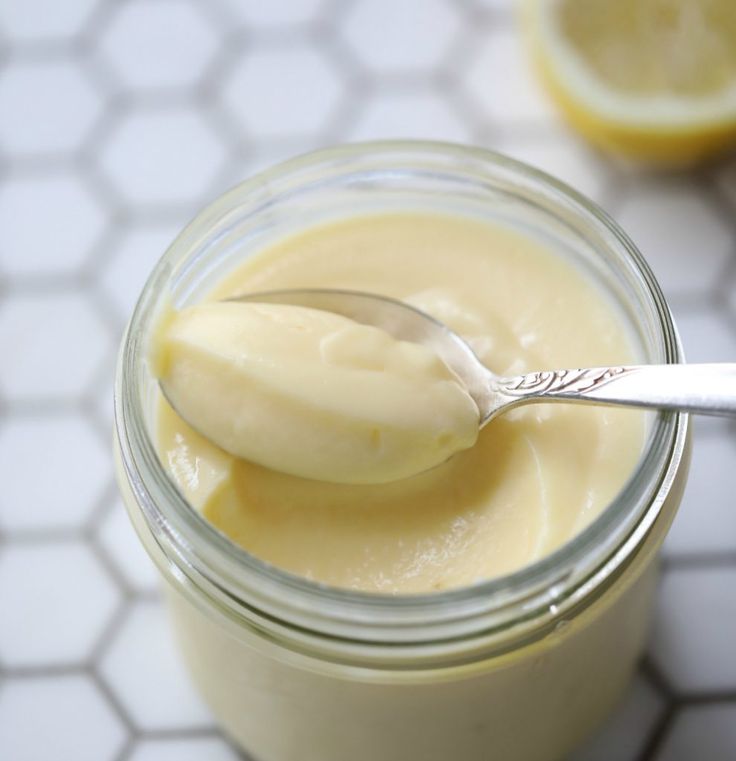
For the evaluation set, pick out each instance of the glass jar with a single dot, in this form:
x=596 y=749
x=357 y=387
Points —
x=518 y=668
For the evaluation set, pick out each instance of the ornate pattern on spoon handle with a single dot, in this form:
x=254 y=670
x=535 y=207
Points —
x=559 y=382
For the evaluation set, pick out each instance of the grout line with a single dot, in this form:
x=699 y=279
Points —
x=658 y=734
x=699 y=560
x=650 y=671
x=25 y=537
x=114 y=702
x=127 y=749
x=77 y=668
x=689 y=699
x=239 y=753
x=182 y=733
x=111 y=630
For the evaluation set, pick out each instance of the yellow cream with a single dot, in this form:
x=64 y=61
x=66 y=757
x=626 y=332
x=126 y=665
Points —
x=534 y=478
x=312 y=393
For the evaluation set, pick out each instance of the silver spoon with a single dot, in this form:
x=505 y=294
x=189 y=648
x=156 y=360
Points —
x=709 y=389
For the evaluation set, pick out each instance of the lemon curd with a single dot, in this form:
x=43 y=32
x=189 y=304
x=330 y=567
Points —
x=312 y=393
x=533 y=479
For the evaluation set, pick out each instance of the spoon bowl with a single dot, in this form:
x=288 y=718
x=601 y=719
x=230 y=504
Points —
x=400 y=320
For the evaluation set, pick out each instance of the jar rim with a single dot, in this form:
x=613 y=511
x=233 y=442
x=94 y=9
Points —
x=248 y=588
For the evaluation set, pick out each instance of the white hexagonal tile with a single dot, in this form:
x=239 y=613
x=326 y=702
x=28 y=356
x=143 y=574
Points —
x=421 y=113
x=706 y=520
x=48 y=223
x=48 y=107
x=707 y=334
x=143 y=667
x=168 y=43
x=684 y=240
x=162 y=157
x=625 y=733
x=192 y=749
x=43 y=20
x=57 y=343
x=275 y=13
x=57 y=718
x=693 y=639
x=56 y=601
x=563 y=157
x=283 y=91
x=125 y=551
x=500 y=81
x=701 y=733
x=413 y=35
x=53 y=471
x=131 y=259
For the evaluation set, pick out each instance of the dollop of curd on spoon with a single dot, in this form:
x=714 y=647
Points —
x=312 y=393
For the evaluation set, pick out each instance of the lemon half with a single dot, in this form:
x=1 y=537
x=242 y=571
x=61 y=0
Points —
x=651 y=79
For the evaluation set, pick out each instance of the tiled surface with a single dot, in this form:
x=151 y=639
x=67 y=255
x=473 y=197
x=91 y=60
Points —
x=58 y=717
x=118 y=119
x=141 y=654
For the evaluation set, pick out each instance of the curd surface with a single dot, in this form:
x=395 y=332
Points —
x=533 y=479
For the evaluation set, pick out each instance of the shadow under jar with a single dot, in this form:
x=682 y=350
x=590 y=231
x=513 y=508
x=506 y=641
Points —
x=518 y=668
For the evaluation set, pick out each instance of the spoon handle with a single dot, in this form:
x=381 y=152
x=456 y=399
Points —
x=708 y=389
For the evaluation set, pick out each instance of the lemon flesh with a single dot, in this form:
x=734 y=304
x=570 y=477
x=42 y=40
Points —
x=653 y=79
